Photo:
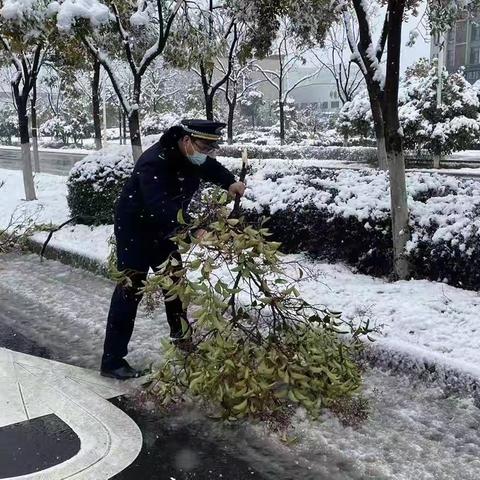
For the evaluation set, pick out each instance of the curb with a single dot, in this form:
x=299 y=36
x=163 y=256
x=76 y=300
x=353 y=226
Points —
x=68 y=258
x=423 y=366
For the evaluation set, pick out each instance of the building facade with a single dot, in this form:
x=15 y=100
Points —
x=462 y=48
x=319 y=91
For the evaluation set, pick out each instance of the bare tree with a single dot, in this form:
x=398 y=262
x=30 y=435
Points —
x=161 y=84
x=237 y=85
x=348 y=77
x=287 y=59
x=141 y=34
x=214 y=35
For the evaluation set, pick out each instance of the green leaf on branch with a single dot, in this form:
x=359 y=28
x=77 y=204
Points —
x=260 y=346
x=180 y=218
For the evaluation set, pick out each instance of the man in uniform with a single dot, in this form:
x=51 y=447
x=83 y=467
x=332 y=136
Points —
x=163 y=181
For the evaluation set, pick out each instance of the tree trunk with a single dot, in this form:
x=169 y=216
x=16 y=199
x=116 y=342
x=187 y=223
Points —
x=231 y=111
x=382 y=156
x=378 y=124
x=134 y=121
x=25 y=147
x=394 y=144
x=33 y=109
x=282 y=123
x=120 y=117
x=124 y=128
x=135 y=138
x=209 y=106
x=97 y=122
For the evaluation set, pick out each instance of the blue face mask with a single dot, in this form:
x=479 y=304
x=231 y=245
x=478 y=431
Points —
x=197 y=158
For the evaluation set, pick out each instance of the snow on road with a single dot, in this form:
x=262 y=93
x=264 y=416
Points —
x=413 y=430
x=65 y=310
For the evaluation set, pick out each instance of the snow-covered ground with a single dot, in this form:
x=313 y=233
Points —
x=466 y=154
x=413 y=431
x=426 y=319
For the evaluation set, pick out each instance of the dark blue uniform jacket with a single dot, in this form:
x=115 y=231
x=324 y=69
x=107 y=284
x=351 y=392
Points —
x=162 y=182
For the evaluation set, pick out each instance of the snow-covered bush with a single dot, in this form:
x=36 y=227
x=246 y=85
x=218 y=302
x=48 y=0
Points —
x=355 y=117
x=250 y=104
x=345 y=215
x=94 y=182
x=72 y=122
x=259 y=136
x=352 y=154
x=53 y=127
x=453 y=126
x=8 y=122
x=154 y=122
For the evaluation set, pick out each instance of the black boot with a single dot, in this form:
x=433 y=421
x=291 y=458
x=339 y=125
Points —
x=122 y=372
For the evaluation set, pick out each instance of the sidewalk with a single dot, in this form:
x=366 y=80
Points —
x=55 y=420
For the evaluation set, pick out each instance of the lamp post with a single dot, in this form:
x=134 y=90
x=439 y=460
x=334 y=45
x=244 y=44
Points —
x=104 y=95
x=440 y=64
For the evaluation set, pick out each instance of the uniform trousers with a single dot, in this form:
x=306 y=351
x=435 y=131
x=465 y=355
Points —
x=134 y=257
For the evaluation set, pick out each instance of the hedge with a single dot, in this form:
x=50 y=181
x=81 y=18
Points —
x=351 y=154
x=334 y=215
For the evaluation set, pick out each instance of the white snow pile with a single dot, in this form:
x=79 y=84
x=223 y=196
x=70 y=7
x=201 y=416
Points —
x=51 y=206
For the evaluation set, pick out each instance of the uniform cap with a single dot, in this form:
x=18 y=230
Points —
x=206 y=130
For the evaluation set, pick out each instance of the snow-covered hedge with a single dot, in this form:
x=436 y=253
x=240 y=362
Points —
x=154 y=122
x=331 y=214
x=345 y=215
x=352 y=154
x=94 y=184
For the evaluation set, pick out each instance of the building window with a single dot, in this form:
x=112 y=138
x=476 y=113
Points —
x=474 y=55
x=474 y=32
x=335 y=104
x=460 y=54
x=324 y=106
x=461 y=32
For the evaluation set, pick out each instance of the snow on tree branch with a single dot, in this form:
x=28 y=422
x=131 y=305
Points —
x=70 y=11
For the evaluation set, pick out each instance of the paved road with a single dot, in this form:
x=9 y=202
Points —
x=60 y=163
x=54 y=162
x=57 y=312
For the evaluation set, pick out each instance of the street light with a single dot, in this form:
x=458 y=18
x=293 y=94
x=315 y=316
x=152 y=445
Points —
x=440 y=38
